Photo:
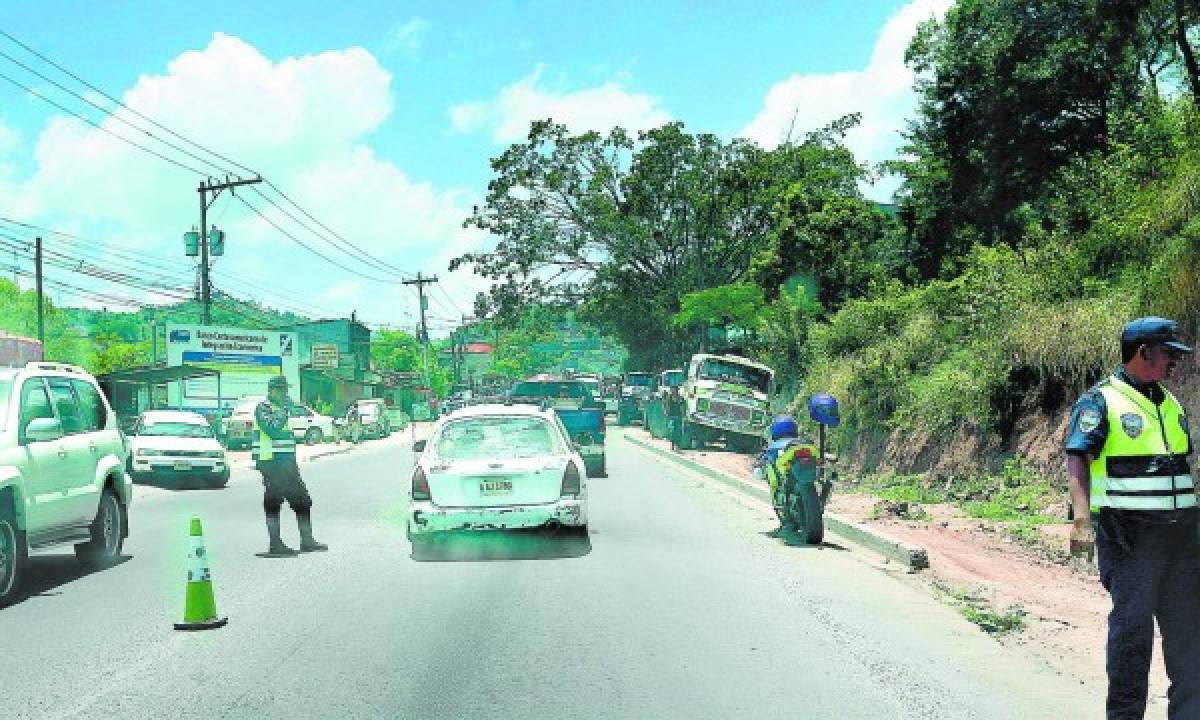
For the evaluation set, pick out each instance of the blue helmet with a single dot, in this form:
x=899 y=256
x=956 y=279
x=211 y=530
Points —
x=784 y=426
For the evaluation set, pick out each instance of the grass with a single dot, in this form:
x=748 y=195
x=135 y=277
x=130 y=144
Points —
x=978 y=611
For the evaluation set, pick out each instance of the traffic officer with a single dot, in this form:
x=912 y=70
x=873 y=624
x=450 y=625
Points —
x=274 y=452
x=1134 y=501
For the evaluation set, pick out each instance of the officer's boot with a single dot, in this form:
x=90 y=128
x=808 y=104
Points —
x=307 y=542
x=277 y=547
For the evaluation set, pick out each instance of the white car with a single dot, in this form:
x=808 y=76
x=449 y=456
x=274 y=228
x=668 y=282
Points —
x=177 y=448
x=62 y=470
x=309 y=427
x=494 y=467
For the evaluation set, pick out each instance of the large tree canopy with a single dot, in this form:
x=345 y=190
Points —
x=625 y=227
x=1010 y=91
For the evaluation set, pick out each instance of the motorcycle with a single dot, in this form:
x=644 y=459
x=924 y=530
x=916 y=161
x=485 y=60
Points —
x=800 y=497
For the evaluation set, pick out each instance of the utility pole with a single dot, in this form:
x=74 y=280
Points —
x=421 y=282
x=37 y=261
x=209 y=190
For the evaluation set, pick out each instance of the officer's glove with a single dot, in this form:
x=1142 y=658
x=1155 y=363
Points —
x=1083 y=538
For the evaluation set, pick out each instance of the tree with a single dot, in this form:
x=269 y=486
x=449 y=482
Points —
x=1010 y=91
x=843 y=241
x=740 y=306
x=622 y=228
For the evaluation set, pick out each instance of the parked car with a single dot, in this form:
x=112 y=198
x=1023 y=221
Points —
x=496 y=467
x=374 y=417
x=581 y=414
x=636 y=389
x=308 y=426
x=62 y=470
x=177 y=448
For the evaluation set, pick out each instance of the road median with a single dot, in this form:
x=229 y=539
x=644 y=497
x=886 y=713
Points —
x=907 y=555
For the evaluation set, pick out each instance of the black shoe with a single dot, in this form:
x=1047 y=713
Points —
x=280 y=550
x=308 y=546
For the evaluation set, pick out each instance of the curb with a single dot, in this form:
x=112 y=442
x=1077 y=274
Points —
x=911 y=557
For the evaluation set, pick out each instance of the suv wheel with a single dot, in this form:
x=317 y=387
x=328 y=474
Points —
x=314 y=436
x=105 y=546
x=13 y=556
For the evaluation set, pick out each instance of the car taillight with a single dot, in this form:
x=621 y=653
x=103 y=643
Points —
x=570 y=483
x=804 y=455
x=420 y=485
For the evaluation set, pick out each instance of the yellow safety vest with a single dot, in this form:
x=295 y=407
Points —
x=1143 y=464
x=779 y=469
x=264 y=447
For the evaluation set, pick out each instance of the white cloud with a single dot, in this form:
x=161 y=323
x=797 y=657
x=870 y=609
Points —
x=287 y=119
x=408 y=36
x=599 y=108
x=881 y=92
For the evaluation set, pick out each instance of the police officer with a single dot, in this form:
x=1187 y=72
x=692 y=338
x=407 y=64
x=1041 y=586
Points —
x=274 y=451
x=1134 y=501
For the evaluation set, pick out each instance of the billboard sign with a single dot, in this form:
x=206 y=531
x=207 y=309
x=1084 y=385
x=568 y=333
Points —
x=245 y=358
x=324 y=356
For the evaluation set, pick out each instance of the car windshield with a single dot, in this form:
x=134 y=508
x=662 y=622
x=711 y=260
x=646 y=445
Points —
x=736 y=373
x=639 y=380
x=172 y=428
x=5 y=391
x=673 y=378
x=497 y=438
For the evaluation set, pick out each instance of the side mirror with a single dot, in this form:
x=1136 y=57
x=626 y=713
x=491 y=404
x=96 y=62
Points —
x=43 y=430
x=419 y=446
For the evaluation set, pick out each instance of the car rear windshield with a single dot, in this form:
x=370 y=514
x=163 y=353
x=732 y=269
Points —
x=497 y=438
x=673 y=378
x=5 y=391
x=176 y=429
x=550 y=389
x=640 y=379
x=734 y=373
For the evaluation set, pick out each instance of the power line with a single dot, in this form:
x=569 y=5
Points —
x=117 y=102
x=309 y=248
x=113 y=115
x=100 y=127
x=354 y=249
x=338 y=242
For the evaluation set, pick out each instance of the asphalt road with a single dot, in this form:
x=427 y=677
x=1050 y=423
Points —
x=675 y=606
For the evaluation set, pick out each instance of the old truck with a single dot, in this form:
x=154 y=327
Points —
x=636 y=389
x=582 y=415
x=726 y=398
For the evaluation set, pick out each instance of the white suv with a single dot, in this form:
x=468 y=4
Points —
x=62 y=470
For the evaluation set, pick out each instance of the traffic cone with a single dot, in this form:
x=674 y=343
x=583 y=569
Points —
x=200 y=612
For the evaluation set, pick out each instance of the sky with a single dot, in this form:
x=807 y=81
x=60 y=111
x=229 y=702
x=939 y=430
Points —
x=379 y=119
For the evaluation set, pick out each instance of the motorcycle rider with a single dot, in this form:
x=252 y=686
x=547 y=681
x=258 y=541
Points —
x=776 y=462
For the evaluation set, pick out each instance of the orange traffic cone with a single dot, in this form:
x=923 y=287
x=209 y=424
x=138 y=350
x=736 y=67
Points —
x=200 y=612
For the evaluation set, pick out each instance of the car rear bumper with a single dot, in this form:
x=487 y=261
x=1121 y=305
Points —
x=426 y=519
x=160 y=468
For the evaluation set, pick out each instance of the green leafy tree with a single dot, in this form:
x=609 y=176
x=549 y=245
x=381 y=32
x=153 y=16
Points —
x=623 y=227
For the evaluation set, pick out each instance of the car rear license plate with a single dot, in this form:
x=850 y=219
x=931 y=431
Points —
x=183 y=465
x=495 y=487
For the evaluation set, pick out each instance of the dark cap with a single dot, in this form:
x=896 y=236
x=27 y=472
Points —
x=277 y=381
x=1153 y=331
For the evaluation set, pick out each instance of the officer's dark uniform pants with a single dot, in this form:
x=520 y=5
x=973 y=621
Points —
x=1152 y=572
x=281 y=481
